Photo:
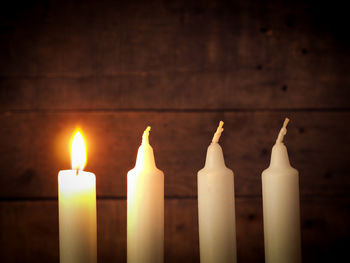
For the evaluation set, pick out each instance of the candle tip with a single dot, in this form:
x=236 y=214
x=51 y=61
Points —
x=146 y=135
x=218 y=132
x=285 y=123
x=283 y=131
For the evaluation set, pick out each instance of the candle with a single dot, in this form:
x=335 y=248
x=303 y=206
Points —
x=280 y=187
x=77 y=209
x=145 y=207
x=216 y=207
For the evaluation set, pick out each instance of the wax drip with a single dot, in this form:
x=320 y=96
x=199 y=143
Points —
x=218 y=132
x=283 y=131
x=146 y=135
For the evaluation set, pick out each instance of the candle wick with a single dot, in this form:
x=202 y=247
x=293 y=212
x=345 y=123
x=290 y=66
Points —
x=283 y=131
x=145 y=135
x=218 y=132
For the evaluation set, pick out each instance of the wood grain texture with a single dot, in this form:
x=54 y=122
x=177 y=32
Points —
x=174 y=90
x=177 y=54
x=32 y=227
x=35 y=147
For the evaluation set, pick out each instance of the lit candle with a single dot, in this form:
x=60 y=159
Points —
x=280 y=187
x=145 y=208
x=77 y=209
x=216 y=207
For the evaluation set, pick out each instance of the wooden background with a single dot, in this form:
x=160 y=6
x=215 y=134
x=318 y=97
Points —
x=113 y=67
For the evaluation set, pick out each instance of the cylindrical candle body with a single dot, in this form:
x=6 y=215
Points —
x=216 y=209
x=145 y=210
x=77 y=217
x=280 y=188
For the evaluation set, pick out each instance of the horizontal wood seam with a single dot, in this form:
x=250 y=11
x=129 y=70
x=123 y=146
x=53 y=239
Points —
x=111 y=198
x=169 y=110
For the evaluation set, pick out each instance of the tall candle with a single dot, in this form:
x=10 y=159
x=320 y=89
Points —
x=77 y=209
x=145 y=208
x=280 y=187
x=216 y=207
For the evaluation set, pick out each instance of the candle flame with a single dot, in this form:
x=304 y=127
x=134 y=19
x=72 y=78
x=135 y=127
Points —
x=78 y=152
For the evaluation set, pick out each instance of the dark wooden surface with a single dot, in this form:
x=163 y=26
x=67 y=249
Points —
x=113 y=67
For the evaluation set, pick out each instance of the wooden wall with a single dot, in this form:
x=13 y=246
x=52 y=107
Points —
x=113 y=67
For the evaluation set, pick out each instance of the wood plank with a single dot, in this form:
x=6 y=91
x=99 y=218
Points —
x=31 y=228
x=91 y=38
x=175 y=90
x=63 y=55
x=35 y=146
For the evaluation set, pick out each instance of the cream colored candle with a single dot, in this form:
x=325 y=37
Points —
x=280 y=187
x=77 y=209
x=216 y=207
x=145 y=208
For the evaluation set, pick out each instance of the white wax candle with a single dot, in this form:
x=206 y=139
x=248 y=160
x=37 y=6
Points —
x=280 y=187
x=77 y=209
x=145 y=208
x=216 y=207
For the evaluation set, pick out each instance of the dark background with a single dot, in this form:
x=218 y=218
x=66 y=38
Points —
x=180 y=66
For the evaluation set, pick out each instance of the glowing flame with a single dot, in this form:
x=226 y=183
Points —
x=78 y=152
